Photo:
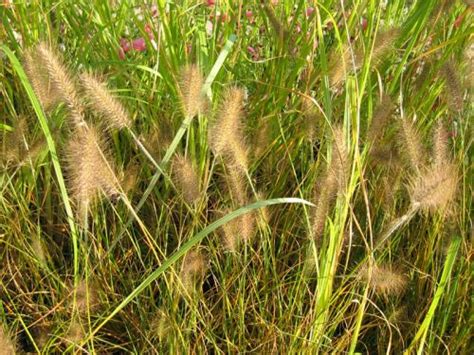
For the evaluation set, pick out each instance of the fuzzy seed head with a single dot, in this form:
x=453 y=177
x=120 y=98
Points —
x=313 y=119
x=63 y=83
x=226 y=137
x=190 y=86
x=380 y=118
x=453 y=87
x=7 y=346
x=87 y=298
x=333 y=183
x=186 y=179
x=434 y=189
x=239 y=230
x=90 y=168
x=441 y=145
x=104 y=103
x=384 y=42
x=383 y=280
x=339 y=66
x=40 y=81
x=193 y=269
x=413 y=147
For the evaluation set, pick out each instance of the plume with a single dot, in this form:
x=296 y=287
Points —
x=190 y=87
x=278 y=27
x=90 y=168
x=40 y=81
x=383 y=280
x=339 y=66
x=454 y=91
x=186 y=178
x=435 y=187
x=380 y=118
x=7 y=346
x=413 y=147
x=441 y=145
x=193 y=269
x=63 y=83
x=333 y=183
x=104 y=103
x=226 y=137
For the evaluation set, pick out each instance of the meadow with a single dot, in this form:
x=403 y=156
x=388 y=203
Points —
x=226 y=176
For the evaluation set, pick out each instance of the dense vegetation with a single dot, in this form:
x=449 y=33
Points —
x=224 y=176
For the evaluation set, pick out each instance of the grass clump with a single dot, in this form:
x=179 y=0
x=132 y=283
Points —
x=183 y=158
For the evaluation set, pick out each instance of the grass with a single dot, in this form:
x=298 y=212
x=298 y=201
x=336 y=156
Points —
x=327 y=212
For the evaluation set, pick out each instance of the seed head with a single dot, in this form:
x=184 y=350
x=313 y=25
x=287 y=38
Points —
x=383 y=280
x=104 y=103
x=63 y=83
x=186 y=178
x=190 y=86
x=435 y=187
x=226 y=137
x=40 y=81
x=7 y=346
x=90 y=168
x=193 y=269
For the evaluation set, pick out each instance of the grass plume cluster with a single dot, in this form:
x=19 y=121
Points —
x=221 y=177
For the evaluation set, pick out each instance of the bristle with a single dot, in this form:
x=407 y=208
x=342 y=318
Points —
x=186 y=179
x=90 y=168
x=413 y=147
x=104 y=103
x=384 y=44
x=193 y=269
x=63 y=83
x=190 y=85
x=383 y=280
x=40 y=81
x=441 y=145
x=313 y=119
x=435 y=188
x=7 y=346
x=261 y=139
x=75 y=332
x=380 y=118
x=86 y=297
x=333 y=183
x=339 y=166
x=14 y=142
x=239 y=230
x=277 y=25
x=339 y=66
x=454 y=92
x=226 y=137
x=237 y=188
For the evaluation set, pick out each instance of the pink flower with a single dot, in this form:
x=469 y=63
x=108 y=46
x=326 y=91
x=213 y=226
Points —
x=125 y=45
x=211 y=3
x=309 y=11
x=139 y=44
x=253 y=52
x=363 y=23
x=249 y=15
x=149 y=31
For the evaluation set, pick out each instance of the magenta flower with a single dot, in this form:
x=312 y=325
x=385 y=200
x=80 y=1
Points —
x=149 y=31
x=309 y=11
x=125 y=45
x=139 y=44
x=249 y=15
